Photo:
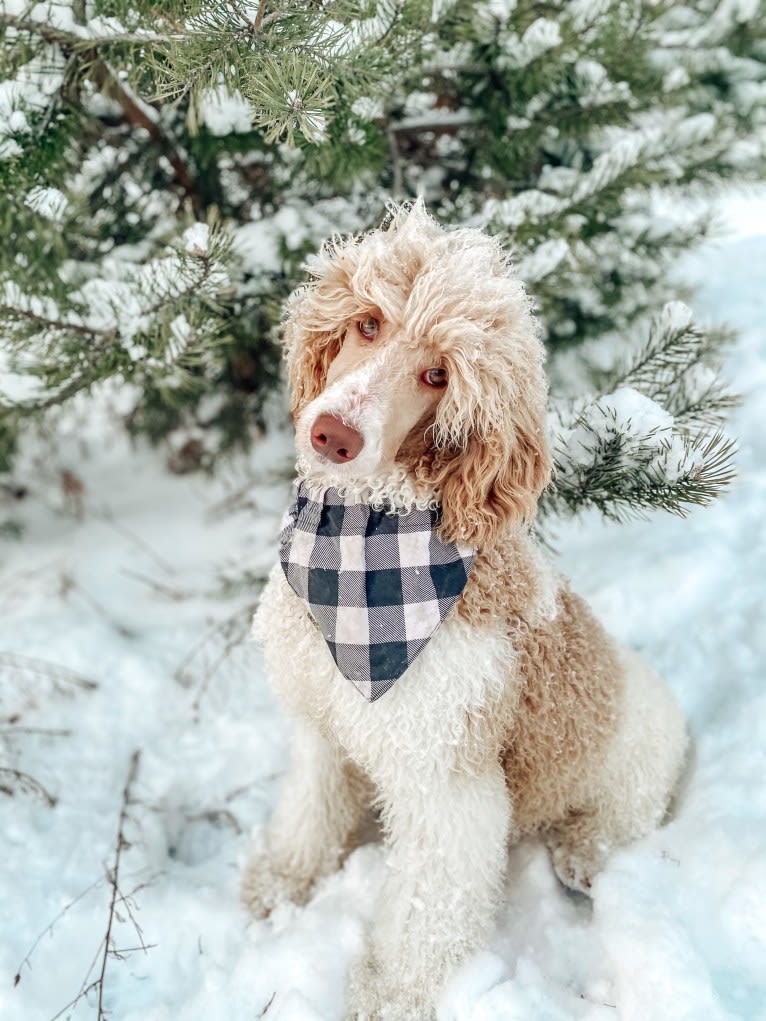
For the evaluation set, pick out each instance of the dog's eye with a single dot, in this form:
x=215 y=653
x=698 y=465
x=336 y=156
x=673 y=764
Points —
x=369 y=327
x=436 y=378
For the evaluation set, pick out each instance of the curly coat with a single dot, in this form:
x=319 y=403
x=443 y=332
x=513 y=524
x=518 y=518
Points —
x=521 y=715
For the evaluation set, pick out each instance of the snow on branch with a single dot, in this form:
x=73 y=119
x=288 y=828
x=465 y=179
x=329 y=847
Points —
x=686 y=138
x=645 y=442
x=611 y=464
x=153 y=317
x=677 y=368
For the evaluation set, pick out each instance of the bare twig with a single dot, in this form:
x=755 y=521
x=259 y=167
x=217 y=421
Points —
x=70 y=584
x=17 y=780
x=46 y=731
x=175 y=595
x=266 y=1008
x=121 y=952
x=212 y=651
x=107 y=516
x=600 y=1003
x=216 y=816
x=239 y=499
x=49 y=928
x=243 y=788
x=39 y=672
x=113 y=878
x=126 y=902
x=76 y=999
x=107 y=947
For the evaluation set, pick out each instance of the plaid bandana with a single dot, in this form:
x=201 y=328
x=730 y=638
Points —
x=377 y=583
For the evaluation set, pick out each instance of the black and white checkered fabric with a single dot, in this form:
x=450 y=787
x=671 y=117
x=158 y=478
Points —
x=378 y=584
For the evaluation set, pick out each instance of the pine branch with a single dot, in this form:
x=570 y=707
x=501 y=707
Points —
x=108 y=82
x=73 y=42
x=86 y=52
x=677 y=368
x=629 y=477
x=556 y=122
x=174 y=281
x=673 y=346
x=57 y=324
x=259 y=18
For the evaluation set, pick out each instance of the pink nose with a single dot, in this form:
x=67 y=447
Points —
x=335 y=440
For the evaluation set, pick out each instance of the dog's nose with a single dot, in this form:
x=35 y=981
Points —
x=335 y=440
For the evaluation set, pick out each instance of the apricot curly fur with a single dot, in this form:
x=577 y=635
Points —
x=521 y=715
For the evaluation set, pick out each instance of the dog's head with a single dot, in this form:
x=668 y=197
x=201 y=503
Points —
x=417 y=345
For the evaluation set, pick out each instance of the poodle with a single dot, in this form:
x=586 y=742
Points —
x=458 y=687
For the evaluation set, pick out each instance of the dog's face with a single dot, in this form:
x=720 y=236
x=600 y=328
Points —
x=416 y=345
x=379 y=389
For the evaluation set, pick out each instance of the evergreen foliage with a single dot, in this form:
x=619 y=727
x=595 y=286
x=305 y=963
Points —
x=165 y=171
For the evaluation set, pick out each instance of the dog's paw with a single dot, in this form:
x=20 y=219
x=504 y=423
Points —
x=375 y=996
x=573 y=870
x=265 y=885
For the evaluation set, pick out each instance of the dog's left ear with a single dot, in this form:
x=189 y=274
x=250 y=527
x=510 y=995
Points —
x=309 y=350
x=495 y=481
x=315 y=320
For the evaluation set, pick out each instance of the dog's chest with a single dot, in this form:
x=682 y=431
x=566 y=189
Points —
x=427 y=714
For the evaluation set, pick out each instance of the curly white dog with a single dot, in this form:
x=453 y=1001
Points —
x=438 y=668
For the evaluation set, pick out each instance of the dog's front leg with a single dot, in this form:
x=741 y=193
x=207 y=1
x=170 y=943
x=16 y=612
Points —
x=321 y=803
x=448 y=839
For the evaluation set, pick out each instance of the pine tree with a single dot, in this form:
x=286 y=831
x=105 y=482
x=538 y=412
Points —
x=163 y=175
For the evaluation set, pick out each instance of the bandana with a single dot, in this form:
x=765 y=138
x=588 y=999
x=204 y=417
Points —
x=377 y=583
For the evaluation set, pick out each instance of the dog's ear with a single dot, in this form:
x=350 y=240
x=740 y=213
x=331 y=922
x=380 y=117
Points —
x=315 y=321
x=495 y=480
x=309 y=353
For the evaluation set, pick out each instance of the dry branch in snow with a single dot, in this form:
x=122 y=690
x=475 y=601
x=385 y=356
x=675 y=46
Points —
x=107 y=948
x=12 y=780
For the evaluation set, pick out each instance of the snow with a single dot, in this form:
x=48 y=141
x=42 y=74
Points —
x=48 y=202
x=542 y=261
x=125 y=580
x=542 y=35
x=28 y=92
x=197 y=239
x=369 y=108
x=223 y=112
x=259 y=244
x=644 y=425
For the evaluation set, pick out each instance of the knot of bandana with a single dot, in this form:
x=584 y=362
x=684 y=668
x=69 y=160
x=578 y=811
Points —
x=377 y=583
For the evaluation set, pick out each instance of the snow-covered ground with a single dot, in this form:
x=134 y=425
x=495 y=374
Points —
x=146 y=577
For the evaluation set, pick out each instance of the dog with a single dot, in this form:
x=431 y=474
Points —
x=418 y=395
